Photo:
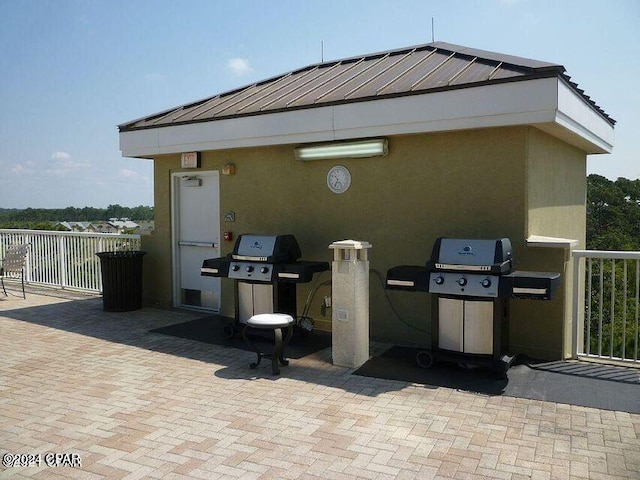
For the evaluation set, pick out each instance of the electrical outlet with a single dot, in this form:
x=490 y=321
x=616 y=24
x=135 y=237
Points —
x=327 y=301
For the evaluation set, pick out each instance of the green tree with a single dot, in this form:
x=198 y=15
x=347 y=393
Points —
x=613 y=213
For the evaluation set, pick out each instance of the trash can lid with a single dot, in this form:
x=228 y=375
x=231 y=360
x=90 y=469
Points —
x=121 y=253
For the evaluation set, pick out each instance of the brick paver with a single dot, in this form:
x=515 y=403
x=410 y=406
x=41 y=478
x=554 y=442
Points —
x=132 y=405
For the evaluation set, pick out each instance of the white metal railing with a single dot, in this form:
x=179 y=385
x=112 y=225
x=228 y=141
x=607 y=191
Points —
x=606 y=306
x=66 y=259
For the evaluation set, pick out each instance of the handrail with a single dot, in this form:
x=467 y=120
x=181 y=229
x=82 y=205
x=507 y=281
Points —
x=66 y=259
x=615 y=254
x=606 y=307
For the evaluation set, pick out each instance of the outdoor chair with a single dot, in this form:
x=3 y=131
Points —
x=13 y=265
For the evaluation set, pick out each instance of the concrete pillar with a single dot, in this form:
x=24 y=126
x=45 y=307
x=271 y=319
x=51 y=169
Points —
x=350 y=303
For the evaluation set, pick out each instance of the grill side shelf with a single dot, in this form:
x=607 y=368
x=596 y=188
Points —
x=301 y=271
x=216 y=267
x=531 y=285
x=408 y=278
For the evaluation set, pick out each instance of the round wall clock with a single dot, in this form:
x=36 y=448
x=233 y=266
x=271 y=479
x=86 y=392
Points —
x=339 y=179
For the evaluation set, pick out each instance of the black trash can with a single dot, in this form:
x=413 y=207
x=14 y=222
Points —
x=121 y=280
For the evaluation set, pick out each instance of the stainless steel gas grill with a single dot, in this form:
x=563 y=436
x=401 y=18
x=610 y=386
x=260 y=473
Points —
x=266 y=269
x=473 y=281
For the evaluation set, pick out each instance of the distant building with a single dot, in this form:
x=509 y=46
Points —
x=114 y=225
x=123 y=224
x=73 y=226
x=104 y=227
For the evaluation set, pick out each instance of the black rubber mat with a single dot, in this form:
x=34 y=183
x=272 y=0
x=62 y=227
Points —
x=573 y=383
x=210 y=329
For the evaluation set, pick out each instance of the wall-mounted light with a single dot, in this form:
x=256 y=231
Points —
x=360 y=149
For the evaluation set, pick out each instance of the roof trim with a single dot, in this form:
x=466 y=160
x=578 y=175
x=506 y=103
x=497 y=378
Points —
x=546 y=103
x=123 y=127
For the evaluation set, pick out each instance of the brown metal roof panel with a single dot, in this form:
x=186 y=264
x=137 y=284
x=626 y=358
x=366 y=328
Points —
x=186 y=112
x=393 y=74
x=441 y=75
x=204 y=111
x=401 y=71
x=337 y=91
x=478 y=72
x=355 y=79
x=495 y=56
x=180 y=114
x=402 y=79
x=507 y=71
x=417 y=71
x=227 y=103
x=422 y=68
x=327 y=84
x=270 y=95
x=218 y=103
x=161 y=119
x=276 y=89
x=371 y=76
x=357 y=83
x=254 y=91
x=303 y=87
x=454 y=68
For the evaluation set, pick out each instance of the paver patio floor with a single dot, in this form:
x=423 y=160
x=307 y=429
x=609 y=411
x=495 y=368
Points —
x=131 y=404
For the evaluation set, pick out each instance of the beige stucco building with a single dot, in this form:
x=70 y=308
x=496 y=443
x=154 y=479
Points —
x=480 y=145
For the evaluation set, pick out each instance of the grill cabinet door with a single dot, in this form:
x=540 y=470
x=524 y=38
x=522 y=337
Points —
x=253 y=299
x=450 y=322
x=478 y=327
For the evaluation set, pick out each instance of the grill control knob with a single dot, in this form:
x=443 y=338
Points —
x=486 y=283
x=439 y=280
x=264 y=269
x=249 y=268
x=235 y=268
x=462 y=281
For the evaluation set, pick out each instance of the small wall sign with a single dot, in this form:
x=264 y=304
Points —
x=229 y=216
x=191 y=160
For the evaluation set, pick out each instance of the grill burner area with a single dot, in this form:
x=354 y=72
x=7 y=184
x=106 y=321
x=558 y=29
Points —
x=266 y=269
x=472 y=281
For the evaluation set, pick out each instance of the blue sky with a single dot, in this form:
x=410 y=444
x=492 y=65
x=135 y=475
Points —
x=74 y=69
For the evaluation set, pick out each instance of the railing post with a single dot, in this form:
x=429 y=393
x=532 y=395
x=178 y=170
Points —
x=27 y=274
x=578 y=312
x=62 y=264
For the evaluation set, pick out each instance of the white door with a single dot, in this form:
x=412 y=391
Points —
x=196 y=237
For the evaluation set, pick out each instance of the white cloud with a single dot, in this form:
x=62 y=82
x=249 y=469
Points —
x=60 y=156
x=26 y=168
x=128 y=173
x=239 y=66
x=63 y=164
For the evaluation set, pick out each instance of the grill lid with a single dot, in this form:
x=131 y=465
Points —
x=266 y=248
x=471 y=255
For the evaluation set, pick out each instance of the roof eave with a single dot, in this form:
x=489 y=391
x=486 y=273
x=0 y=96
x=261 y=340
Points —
x=546 y=73
x=546 y=102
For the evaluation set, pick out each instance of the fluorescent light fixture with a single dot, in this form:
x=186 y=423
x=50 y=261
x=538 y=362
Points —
x=361 y=149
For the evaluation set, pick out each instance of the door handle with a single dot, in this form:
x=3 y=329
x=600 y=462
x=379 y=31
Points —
x=198 y=244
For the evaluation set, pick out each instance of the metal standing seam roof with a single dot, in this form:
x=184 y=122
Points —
x=409 y=71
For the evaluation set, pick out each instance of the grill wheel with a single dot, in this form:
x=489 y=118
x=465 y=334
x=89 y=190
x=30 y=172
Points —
x=424 y=359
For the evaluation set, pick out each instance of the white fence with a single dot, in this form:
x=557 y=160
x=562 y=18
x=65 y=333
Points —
x=66 y=259
x=606 y=308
